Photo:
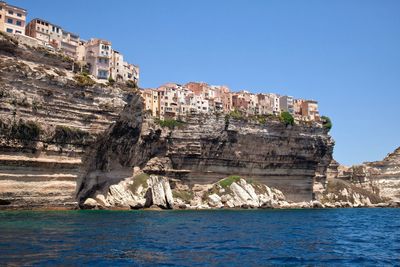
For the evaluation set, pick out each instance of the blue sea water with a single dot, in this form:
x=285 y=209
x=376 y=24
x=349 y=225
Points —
x=330 y=237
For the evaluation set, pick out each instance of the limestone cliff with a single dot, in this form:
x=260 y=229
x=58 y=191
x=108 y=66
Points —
x=380 y=177
x=205 y=149
x=50 y=118
x=49 y=115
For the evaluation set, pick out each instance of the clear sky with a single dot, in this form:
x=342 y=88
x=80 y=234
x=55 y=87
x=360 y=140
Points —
x=343 y=53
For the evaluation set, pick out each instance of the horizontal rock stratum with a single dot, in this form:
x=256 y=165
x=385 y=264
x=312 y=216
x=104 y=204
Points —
x=205 y=149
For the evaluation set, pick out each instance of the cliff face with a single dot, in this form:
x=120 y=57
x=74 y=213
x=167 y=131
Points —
x=284 y=157
x=47 y=120
x=206 y=149
x=384 y=175
x=381 y=177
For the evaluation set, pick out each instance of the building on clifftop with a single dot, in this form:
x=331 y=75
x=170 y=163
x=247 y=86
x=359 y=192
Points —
x=12 y=18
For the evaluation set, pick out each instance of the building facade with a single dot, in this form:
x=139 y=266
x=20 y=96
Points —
x=151 y=102
x=122 y=70
x=98 y=55
x=12 y=18
x=173 y=100
x=309 y=110
x=54 y=35
x=286 y=103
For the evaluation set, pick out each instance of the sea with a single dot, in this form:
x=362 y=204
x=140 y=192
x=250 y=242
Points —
x=304 y=237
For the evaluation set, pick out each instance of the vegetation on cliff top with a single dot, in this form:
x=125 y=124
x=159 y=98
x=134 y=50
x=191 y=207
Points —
x=287 y=118
x=84 y=80
x=169 y=123
x=326 y=122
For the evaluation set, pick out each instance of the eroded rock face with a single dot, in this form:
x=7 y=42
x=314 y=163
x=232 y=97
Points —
x=287 y=158
x=380 y=177
x=39 y=169
x=206 y=149
x=156 y=191
x=125 y=145
x=160 y=193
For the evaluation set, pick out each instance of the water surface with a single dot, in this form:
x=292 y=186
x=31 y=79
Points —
x=334 y=237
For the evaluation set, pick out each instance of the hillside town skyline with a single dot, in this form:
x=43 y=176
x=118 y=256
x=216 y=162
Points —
x=96 y=56
x=171 y=100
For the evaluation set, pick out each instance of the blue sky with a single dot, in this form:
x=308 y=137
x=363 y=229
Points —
x=343 y=53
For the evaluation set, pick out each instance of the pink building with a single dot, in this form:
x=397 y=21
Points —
x=98 y=55
x=12 y=18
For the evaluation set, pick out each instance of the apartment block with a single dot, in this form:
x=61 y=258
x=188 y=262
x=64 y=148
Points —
x=169 y=107
x=309 y=110
x=54 y=35
x=69 y=44
x=12 y=18
x=151 y=102
x=131 y=72
x=226 y=99
x=121 y=70
x=286 y=104
x=173 y=100
x=199 y=88
x=199 y=104
x=98 y=55
x=117 y=66
x=241 y=101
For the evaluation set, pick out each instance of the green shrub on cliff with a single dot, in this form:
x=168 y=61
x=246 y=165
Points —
x=326 y=122
x=169 y=123
x=111 y=81
x=139 y=180
x=236 y=114
x=84 y=80
x=287 y=118
x=225 y=183
x=131 y=84
x=186 y=196
x=261 y=119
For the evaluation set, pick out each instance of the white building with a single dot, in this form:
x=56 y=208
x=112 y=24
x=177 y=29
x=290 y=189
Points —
x=286 y=103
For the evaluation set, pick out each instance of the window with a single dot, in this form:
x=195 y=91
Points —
x=18 y=32
x=19 y=14
x=19 y=23
x=9 y=30
x=10 y=12
x=10 y=21
x=38 y=28
x=54 y=29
